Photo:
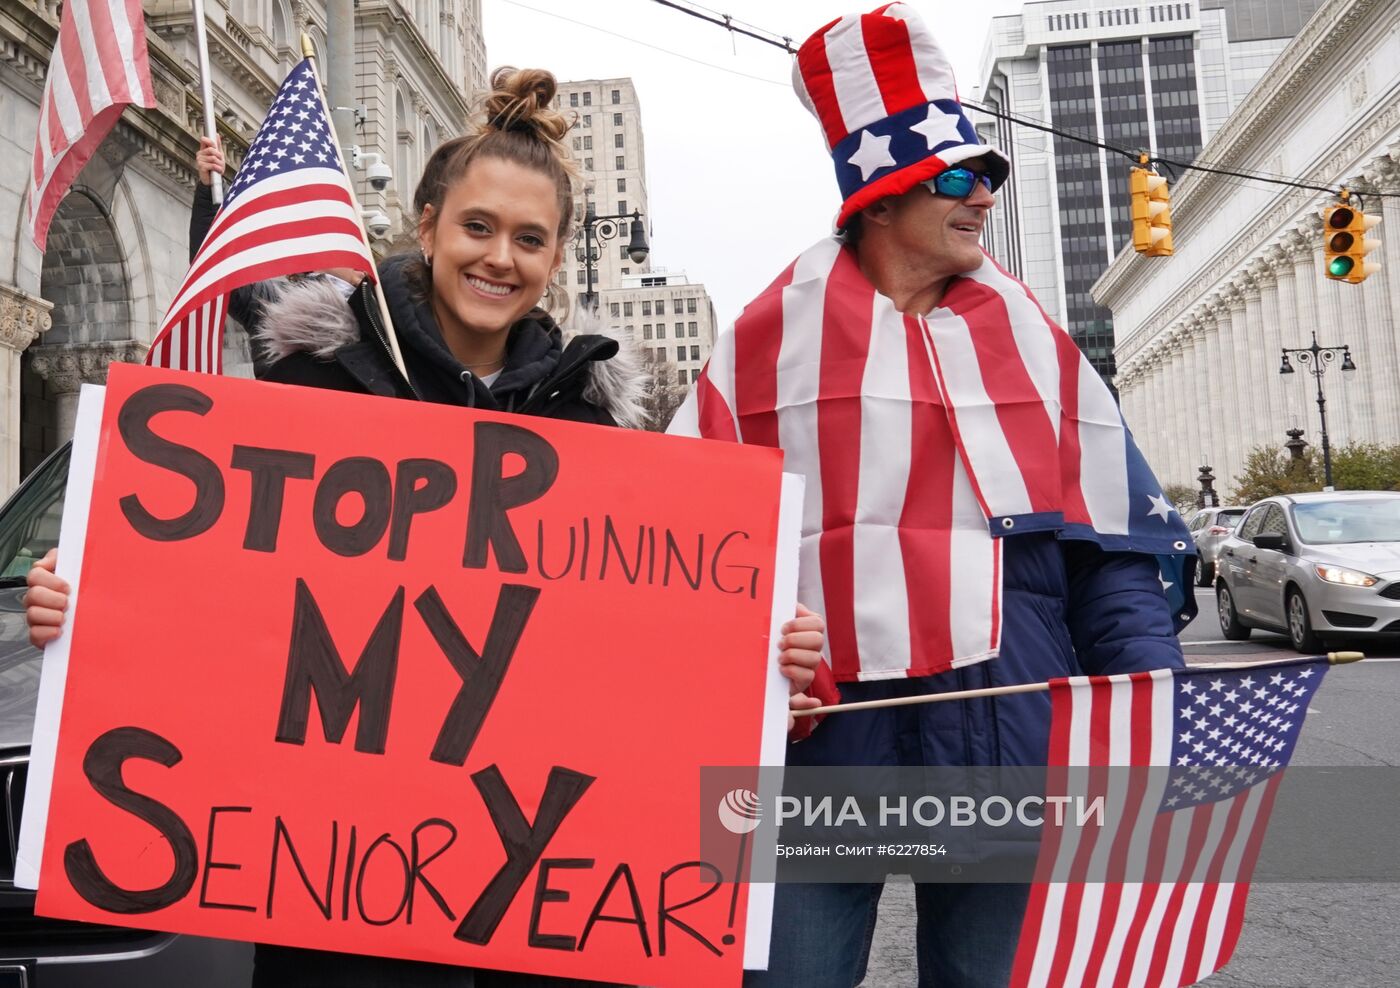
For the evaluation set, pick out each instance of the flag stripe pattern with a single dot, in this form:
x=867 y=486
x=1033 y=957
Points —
x=1155 y=895
x=290 y=210
x=99 y=67
x=923 y=440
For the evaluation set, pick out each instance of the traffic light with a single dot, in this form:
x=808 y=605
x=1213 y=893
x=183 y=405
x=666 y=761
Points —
x=1346 y=245
x=1152 y=215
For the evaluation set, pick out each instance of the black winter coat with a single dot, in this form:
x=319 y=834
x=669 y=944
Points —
x=311 y=338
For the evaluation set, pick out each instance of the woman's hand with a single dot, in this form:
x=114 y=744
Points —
x=801 y=649
x=45 y=601
x=209 y=160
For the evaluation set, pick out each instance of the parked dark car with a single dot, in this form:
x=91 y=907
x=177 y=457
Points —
x=1208 y=528
x=36 y=952
x=1314 y=566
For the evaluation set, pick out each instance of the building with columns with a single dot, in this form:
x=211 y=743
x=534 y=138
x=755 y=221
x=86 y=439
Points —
x=1161 y=76
x=117 y=248
x=1200 y=333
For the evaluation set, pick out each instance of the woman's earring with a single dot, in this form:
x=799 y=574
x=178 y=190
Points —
x=426 y=259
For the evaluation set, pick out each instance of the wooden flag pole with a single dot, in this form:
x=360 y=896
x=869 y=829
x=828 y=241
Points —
x=206 y=93
x=308 y=50
x=1335 y=658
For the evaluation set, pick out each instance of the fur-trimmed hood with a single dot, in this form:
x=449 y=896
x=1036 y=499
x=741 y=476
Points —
x=311 y=316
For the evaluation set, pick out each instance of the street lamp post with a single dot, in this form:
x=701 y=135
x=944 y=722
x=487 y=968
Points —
x=1316 y=359
x=594 y=231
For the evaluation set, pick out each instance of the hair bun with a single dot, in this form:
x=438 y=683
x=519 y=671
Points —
x=523 y=100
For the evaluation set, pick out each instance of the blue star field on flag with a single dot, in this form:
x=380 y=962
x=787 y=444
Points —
x=294 y=135
x=1236 y=728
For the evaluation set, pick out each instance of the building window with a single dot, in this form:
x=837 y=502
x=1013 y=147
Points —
x=573 y=99
x=694 y=330
x=680 y=330
x=617 y=140
x=626 y=270
x=617 y=96
x=588 y=142
x=661 y=331
x=646 y=308
x=694 y=353
x=690 y=306
x=622 y=185
x=621 y=162
x=581 y=275
x=646 y=330
x=587 y=99
x=578 y=143
x=617 y=120
x=588 y=164
x=680 y=353
x=661 y=307
x=588 y=120
x=622 y=205
x=616 y=309
x=626 y=308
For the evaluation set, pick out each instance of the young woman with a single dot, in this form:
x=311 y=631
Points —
x=494 y=210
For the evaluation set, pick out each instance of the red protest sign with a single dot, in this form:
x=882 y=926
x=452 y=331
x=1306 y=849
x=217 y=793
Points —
x=373 y=676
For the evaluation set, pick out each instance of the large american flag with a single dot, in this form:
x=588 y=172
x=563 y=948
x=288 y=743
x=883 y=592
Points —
x=1155 y=896
x=290 y=210
x=923 y=441
x=99 y=68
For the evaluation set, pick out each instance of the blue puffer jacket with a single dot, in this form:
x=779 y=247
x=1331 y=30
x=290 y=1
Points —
x=1068 y=609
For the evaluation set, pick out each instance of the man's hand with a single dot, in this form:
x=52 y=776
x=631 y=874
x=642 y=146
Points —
x=799 y=701
x=801 y=647
x=209 y=160
x=45 y=601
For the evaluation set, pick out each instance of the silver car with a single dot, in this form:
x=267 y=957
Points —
x=1208 y=528
x=1314 y=566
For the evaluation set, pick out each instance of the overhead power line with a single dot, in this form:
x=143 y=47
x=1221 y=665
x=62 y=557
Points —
x=784 y=42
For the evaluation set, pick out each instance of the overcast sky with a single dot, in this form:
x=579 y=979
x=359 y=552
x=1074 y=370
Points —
x=738 y=176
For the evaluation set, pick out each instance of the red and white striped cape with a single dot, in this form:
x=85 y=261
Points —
x=921 y=440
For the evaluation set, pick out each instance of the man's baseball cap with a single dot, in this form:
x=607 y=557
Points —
x=884 y=93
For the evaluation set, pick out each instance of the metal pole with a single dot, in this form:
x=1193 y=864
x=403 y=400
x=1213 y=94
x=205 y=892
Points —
x=206 y=93
x=339 y=60
x=1322 y=411
x=588 y=262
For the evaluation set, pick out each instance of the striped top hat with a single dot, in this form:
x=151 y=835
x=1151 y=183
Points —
x=884 y=93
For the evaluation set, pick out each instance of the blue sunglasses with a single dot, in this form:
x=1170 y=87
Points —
x=958 y=183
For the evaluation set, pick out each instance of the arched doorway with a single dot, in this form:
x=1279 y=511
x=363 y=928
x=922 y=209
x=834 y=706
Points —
x=84 y=276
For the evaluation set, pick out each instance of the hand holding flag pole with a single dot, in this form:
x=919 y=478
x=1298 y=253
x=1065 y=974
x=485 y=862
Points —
x=1335 y=658
x=206 y=93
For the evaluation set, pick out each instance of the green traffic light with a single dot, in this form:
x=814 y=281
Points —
x=1340 y=267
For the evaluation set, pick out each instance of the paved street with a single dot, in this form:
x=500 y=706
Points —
x=1295 y=935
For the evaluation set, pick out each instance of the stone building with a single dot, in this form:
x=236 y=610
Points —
x=1161 y=76
x=1200 y=333
x=666 y=316
x=117 y=248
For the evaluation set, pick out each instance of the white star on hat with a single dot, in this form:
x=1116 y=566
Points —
x=938 y=128
x=1160 y=507
x=872 y=155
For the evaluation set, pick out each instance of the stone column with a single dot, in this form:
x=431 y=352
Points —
x=1244 y=437
x=1190 y=440
x=1282 y=264
x=1218 y=306
x=1180 y=413
x=1301 y=251
x=1382 y=312
x=1149 y=430
x=1253 y=353
x=1268 y=396
x=23 y=317
x=68 y=366
x=1211 y=409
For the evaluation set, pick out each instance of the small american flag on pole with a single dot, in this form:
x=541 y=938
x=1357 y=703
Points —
x=1187 y=836
x=99 y=68
x=290 y=210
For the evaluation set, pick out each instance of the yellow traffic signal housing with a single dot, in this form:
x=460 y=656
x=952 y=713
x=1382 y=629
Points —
x=1152 y=215
x=1346 y=245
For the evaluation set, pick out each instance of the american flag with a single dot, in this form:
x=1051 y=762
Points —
x=923 y=441
x=1156 y=894
x=290 y=210
x=99 y=67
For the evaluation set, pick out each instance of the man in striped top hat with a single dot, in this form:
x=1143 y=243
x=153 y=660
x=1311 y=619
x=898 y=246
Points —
x=977 y=513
